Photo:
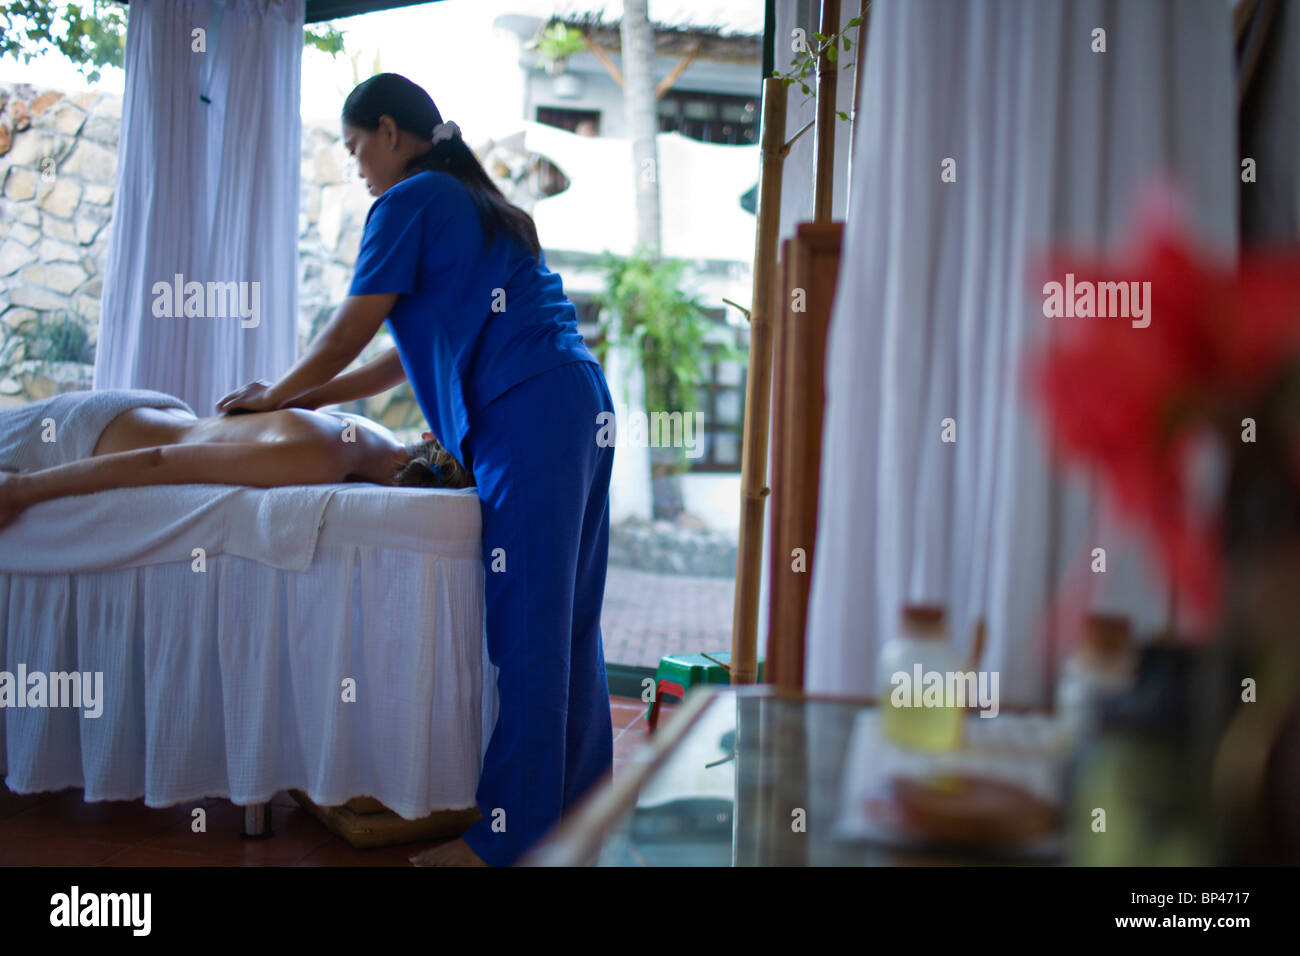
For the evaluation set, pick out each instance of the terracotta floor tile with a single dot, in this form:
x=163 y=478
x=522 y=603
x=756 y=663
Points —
x=67 y=814
x=14 y=803
x=296 y=833
x=626 y=716
x=337 y=852
x=153 y=856
x=55 y=851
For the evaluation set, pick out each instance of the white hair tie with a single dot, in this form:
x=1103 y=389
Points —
x=445 y=131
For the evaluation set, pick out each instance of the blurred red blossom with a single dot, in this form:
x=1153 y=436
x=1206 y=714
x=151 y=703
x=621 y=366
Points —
x=1129 y=402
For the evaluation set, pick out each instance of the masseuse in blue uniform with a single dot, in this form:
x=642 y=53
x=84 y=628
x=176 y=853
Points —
x=489 y=343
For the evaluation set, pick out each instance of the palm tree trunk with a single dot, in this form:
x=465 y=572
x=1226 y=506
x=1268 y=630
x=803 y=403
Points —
x=639 y=103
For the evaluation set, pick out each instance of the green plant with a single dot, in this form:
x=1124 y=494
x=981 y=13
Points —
x=90 y=40
x=12 y=350
x=556 y=43
x=93 y=39
x=805 y=60
x=324 y=38
x=61 y=338
x=644 y=310
x=375 y=68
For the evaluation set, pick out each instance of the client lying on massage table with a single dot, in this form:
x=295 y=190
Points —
x=170 y=446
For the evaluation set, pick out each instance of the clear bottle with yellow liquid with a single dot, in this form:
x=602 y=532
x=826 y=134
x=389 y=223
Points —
x=913 y=674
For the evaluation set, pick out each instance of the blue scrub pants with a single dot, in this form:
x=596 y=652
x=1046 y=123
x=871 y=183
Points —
x=543 y=482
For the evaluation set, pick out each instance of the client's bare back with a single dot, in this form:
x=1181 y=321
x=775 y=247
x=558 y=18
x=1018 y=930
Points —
x=151 y=427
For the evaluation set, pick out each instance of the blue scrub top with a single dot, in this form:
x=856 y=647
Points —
x=469 y=324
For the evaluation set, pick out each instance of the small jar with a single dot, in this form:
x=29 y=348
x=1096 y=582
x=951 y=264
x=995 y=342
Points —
x=1101 y=666
x=1138 y=790
x=912 y=664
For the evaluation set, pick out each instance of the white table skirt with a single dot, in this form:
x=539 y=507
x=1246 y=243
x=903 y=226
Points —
x=230 y=683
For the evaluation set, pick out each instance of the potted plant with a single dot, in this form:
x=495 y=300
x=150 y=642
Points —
x=645 y=310
x=555 y=44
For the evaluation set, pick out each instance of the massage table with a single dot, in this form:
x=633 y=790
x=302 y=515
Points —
x=327 y=639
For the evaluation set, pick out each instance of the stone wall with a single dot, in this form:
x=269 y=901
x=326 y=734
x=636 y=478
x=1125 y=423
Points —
x=331 y=217
x=670 y=548
x=58 y=158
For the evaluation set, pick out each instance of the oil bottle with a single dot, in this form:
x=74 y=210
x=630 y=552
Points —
x=914 y=676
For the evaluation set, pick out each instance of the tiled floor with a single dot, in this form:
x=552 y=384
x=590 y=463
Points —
x=647 y=615
x=61 y=829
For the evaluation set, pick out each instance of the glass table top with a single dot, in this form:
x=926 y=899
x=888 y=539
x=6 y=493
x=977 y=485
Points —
x=754 y=777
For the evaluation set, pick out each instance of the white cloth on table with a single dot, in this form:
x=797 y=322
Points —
x=133 y=527
x=230 y=683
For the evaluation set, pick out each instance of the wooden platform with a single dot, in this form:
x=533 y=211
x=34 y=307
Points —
x=365 y=822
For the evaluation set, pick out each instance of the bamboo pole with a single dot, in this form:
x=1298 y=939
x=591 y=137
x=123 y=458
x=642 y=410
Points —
x=778 y=557
x=810 y=261
x=827 y=80
x=758 y=389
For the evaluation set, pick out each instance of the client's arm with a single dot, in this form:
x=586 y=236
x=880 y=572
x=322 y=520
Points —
x=259 y=464
x=377 y=375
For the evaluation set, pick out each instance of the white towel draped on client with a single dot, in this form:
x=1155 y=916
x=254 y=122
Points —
x=66 y=427
x=1050 y=143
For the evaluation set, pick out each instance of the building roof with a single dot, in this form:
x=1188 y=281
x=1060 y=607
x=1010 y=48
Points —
x=727 y=17
x=722 y=17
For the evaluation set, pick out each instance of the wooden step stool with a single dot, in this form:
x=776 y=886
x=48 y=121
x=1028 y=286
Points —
x=677 y=673
x=365 y=822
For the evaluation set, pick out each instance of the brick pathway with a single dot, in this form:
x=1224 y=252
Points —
x=647 y=615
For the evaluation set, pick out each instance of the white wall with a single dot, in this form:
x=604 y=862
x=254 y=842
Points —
x=629 y=486
x=714 y=498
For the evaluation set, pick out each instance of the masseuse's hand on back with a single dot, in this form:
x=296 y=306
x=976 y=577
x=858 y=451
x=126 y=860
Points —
x=253 y=397
x=354 y=324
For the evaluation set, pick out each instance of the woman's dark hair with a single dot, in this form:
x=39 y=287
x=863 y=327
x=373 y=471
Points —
x=432 y=466
x=412 y=109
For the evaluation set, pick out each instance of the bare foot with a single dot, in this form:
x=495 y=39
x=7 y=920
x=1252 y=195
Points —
x=454 y=853
x=10 y=505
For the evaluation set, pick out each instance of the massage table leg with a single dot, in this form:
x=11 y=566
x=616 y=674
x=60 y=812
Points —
x=257 y=821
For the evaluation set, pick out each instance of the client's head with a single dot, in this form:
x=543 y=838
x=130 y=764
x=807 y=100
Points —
x=430 y=465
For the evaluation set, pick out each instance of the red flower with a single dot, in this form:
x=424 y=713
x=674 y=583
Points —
x=1127 y=400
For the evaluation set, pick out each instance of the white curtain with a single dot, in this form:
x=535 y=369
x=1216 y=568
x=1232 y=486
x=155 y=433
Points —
x=1052 y=143
x=207 y=188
